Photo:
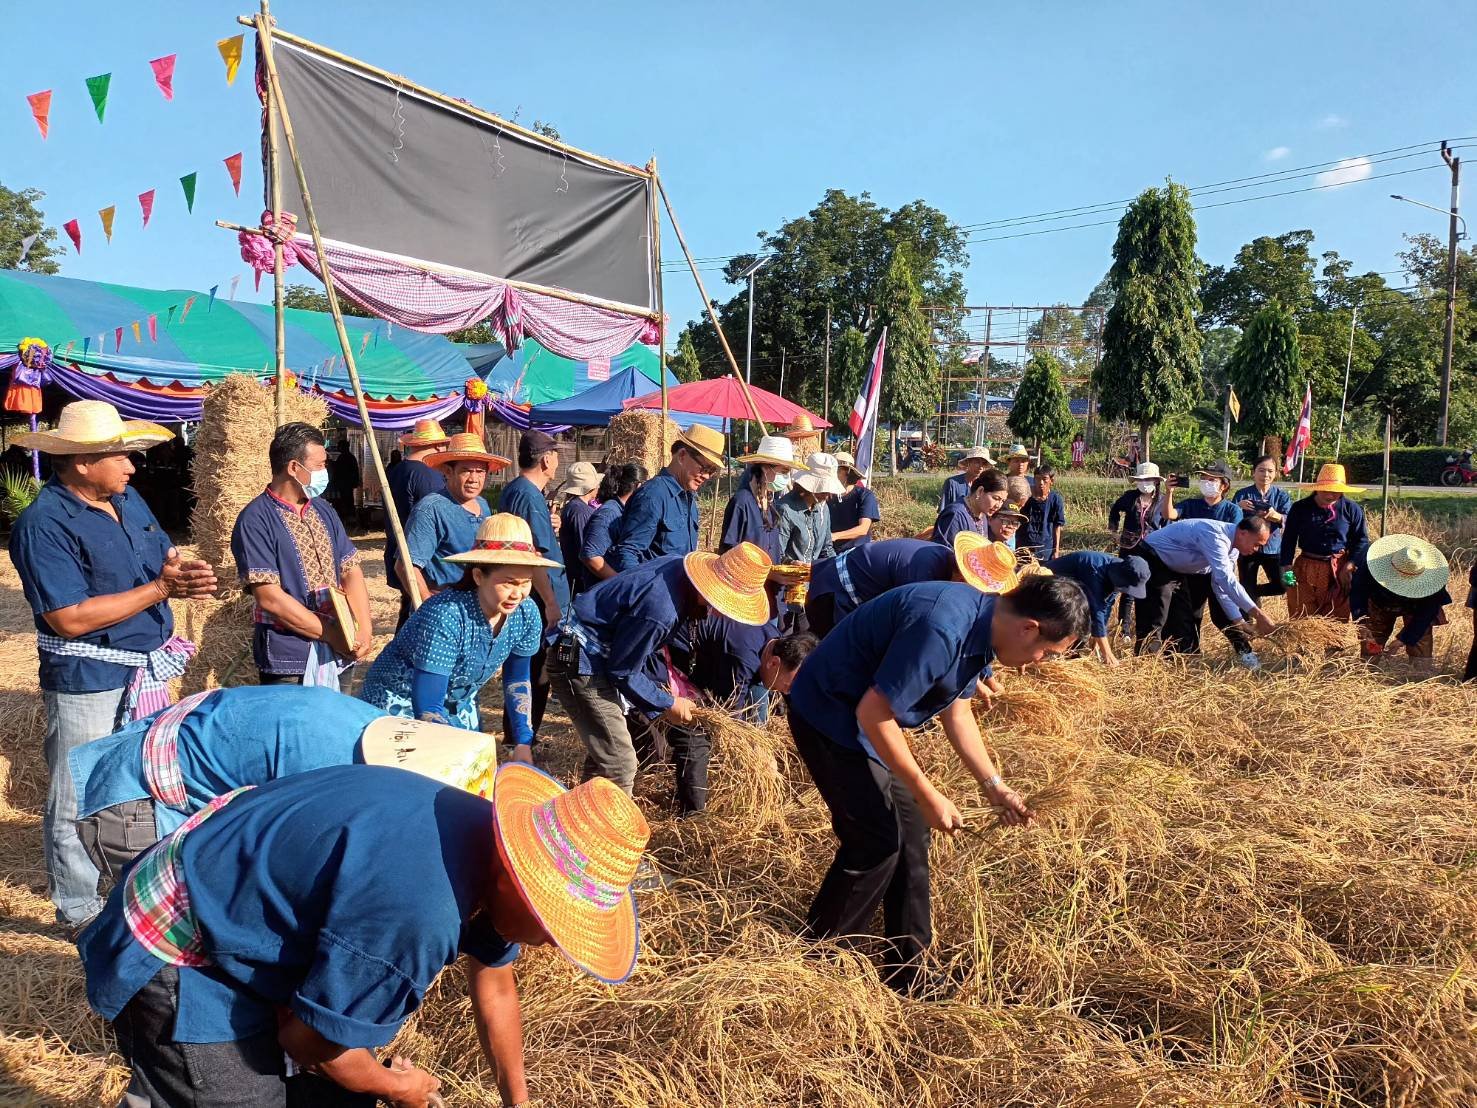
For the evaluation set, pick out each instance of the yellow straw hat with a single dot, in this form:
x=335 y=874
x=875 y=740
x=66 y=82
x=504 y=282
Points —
x=94 y=427
x=802 y=428
x=573 y=853
x=465 y=447
x=427 y=432
x=503 y=539
x=1331 y=478
x=988 y=566
x=707 y=442
x=733 y=582
x=452 y=755
x=1408 y=566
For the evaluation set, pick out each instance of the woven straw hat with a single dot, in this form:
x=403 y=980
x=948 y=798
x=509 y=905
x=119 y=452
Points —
x=733 y=582
x=503 y=540
x=802 y=428
x=94 y=427
x=820 y=475
x=583 y=479
x=1019 y=451
x=452 y=755
x=988 y=566
x=465 y=447
x=1331 y=478
x=707 y=442
x=573 y=853
x=1408 y=566
x=427 y=432
x=845 y=458
x=773 y=450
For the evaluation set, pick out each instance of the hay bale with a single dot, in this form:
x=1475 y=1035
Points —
x=643 y=437
x=231 y=458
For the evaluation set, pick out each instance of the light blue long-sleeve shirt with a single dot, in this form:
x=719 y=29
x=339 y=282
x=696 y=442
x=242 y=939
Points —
x=1204 y=546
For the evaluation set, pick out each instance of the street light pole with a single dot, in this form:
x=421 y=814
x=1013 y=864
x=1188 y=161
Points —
x=759 y=264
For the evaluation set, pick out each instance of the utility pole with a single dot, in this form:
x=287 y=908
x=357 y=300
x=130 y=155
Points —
x=826 y=395
x=1455 y=165
x=782 y=371
x=1338 y=448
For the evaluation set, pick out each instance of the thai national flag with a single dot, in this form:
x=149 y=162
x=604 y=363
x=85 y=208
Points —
x=863 y=421
x=1302 y=438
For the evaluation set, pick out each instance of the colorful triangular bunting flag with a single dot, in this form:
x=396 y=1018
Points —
x=187 y=182
x=137 y=337
x=363 y=342
x=41 y=108
x=106 y=215
x=233 y=167
x=154 y=328
x=74 y=232
x=210 y=307
x=26 y=244
x=117 y=339
x=190 y=303
x=146 y=204
x=71 y=343
x=97 y=88
x=164 y=75
x=230 y=49
x=170 y=318
x=86 y=346
x=236 y=280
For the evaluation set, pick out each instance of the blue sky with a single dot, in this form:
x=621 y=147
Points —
x=988 y=111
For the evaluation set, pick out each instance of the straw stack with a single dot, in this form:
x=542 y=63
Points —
x=640 y=437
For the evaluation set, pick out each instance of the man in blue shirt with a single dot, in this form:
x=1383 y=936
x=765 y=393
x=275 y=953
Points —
x=855 y=511
x=578 y=494
x=1103 y=578
x=842 y=584
x=975 y=461
x=1324 y=536
x=896 y=662
x=1046 y=515
x=662 y=518
x=614 y=645
x=1214 y=483
x=446 y=522
x=410 y=481
x=309 y=917
x=98 y=572
x=1262 y=497
x=538 y=462
x=1190 y=562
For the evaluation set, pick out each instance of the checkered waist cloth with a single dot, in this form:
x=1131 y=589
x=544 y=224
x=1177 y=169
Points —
x=156 y=901
x=148 y=689
x=161 y=752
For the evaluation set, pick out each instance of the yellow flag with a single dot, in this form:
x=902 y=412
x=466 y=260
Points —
x=1235 y=405
x=230 y=49
x=106 y=215
x=136 y=336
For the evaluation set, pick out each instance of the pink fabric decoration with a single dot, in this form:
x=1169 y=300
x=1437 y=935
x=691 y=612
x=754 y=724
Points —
x=74 y=232
x=164 y=74
x=146 y=204
x=256 y=249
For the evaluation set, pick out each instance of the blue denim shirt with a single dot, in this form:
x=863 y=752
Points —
x=661 y=519
x=66 y=552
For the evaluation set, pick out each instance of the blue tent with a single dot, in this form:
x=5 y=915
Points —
x=599 y=404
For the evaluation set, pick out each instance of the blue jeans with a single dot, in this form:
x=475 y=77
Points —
x=72 y=719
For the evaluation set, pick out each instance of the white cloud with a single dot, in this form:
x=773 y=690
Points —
x=1345 y=172
x=1276 y=154
x=1331 y=120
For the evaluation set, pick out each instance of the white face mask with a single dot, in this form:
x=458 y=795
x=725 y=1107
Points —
x=1210 y=488
x=1147 y=487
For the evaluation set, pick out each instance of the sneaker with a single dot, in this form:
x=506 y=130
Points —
x=1250 y=661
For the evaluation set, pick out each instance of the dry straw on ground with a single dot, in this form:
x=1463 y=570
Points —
x=643 y=437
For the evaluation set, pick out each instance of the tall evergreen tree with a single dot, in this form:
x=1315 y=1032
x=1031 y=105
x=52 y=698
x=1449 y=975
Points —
x=1266 y=370
x=686 y=364
x=1151 y=347
x=910 y=370
x=1041 y=410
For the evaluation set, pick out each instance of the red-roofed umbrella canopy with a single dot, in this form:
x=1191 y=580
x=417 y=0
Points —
x=724 y=396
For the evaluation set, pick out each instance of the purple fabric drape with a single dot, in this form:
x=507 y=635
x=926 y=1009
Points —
x=517 y=417
x=131 y=402
x=400 y=418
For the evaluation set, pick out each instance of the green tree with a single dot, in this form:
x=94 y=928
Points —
x=1266 y=369
x=1267 y=270
x=1151 y=347
x=19 y=219
x=316 y=300
x=848 y=364
x=1041 y=411
x=686 y=364
x=910 y=369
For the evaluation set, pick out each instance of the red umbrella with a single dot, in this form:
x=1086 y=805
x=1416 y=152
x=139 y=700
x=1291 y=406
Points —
x=724 y=397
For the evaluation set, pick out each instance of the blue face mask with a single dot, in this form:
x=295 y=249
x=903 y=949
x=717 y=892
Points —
x=780 y=482
x=317 y=483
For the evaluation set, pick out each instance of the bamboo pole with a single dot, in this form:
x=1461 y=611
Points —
x=392 y=517
x=274 y=171
x=708 y=304
x=661 y=315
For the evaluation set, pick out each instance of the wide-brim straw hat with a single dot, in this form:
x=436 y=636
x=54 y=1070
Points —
x=821 y=475
x=1408 y=566
x=801 y=428
x=1147 y=471
x=1019 y=451
x=94 y=427
x=988 y=566
x=977 y=454
x=573 y=854
x=581 y=480
x=452 y=755
x=733 y=582
x=467 y=447
x=427 y=432
x=1332 y=478
x=845 y=458
x=706 y=441
x=773 y=450
x=503 y=539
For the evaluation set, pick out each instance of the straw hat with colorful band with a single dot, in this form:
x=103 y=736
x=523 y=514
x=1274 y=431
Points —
x=503 y=540
x=573 y=854
x=582 y=479
x=773 y=450
x=452 y=755
x=1331 y=478
x=94 y=427
x=427 y=432
x=706 y=442
x=466 y=447
x=802 y=428
x=988 y=566
x=1408 y=566
x=733 y=582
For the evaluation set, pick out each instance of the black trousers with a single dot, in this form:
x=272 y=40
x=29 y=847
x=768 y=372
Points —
x=538 y=679
x=279 y=678
x=820 y=612
x=404 y=613
x=882 y=859
x=1173 y=607
x=1247 y=566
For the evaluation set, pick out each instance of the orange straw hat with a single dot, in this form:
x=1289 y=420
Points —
x=452 y=755
x=573 y=853
x=733 y=582
x=427 y=432
x=802 y=428
x=503 y=539
x=465 y=447
x=988 y=566
x=1331 y=479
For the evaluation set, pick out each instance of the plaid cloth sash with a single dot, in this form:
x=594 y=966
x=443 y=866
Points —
x=148 y=690
x=161 y=752
x=156 y=903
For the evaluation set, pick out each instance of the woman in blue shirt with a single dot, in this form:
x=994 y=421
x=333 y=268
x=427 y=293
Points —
x=751 y=515
x=446 y=522
x=604 y=529
x=452 y=645
x=1265 y=499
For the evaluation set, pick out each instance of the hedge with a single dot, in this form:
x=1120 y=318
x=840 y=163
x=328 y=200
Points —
x=1409 y=465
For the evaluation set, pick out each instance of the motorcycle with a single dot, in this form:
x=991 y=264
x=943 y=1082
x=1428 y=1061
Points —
x=1459 y=471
